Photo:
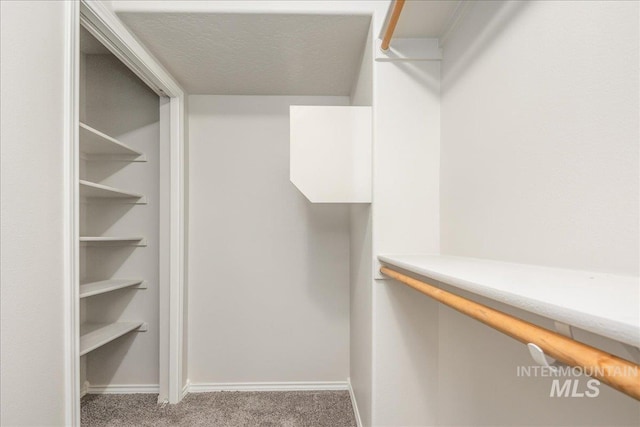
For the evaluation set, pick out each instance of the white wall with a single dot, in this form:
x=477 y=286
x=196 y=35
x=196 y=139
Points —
x=394 y=339
x=32 y=245
x=540 y=135
x=268 y=271
x=360 y=266
x=405 y=220
x=540 y=124
x=121 y=105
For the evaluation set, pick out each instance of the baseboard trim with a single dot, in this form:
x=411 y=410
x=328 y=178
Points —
x=124 y=389
x=354 y=403
x=185 y=389
x=84 y=389
x=268 y=386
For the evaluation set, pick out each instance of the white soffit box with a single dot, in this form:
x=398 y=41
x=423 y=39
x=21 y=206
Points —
x=330 y=149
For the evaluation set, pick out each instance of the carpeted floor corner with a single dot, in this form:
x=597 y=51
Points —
x=222 y=409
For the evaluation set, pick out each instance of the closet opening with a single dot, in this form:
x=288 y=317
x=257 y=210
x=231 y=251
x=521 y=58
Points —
x=126 y=217
x=120 y=150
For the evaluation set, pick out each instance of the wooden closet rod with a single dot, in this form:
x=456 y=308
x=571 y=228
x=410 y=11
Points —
x=393 y=21
x=620 y=374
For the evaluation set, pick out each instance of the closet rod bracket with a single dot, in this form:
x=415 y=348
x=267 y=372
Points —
x=538 y=355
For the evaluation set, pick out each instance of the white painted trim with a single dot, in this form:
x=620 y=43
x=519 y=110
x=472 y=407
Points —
x=177 y=239
x=354 y=404
x=70 y=234
x=164 y=282
x=108 y=28
x=422 y=49
x=185 y=389
x=269 y=386
x=84 y=390
x=123 y=389
x=103 y=24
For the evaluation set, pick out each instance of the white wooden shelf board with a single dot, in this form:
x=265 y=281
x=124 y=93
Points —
x=102 y=286
x=94 y=335
x=95 y=143
x=605 y=304
x=113 y=241
x=100 y=191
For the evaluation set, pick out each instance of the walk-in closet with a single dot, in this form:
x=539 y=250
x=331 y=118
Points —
x=353 y=213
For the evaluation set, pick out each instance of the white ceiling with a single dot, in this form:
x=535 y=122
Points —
x=425 y=18
x=255 y=54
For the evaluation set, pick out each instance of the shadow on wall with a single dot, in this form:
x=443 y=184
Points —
x=102 y=217
x=496 y=18
x=106 y=261
x=428 y=77
x=416 y=340
x=109 y=358
x=327 y=272
x=112 y=109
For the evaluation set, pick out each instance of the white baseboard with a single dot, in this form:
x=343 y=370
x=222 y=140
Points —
x=354 y=403
x=268 y=386
x=185 y=389
x=213 y=387
x=123 y=389
x=84 y=389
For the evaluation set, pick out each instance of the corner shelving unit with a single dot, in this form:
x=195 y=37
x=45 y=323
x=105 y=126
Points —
x=97 y=146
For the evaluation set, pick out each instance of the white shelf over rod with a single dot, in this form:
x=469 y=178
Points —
x=94 y=335
x=605 y=304
x=90 y=289
x=99 y=191
x=112 y=241
x=97 y=145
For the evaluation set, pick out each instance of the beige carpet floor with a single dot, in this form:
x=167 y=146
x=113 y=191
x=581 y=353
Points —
x=222 y=409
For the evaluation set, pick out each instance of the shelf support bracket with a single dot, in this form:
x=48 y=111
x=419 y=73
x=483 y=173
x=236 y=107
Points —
x=538 y=355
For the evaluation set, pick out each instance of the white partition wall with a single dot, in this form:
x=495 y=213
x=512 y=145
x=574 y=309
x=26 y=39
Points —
x=360 y=268
x=33 y=305
x=405 y=219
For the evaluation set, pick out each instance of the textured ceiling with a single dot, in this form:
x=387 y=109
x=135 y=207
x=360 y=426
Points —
x=255 y=54
x=422 y=18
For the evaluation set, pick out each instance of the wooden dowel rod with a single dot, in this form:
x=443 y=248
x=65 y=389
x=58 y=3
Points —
x=393 y=21
x=620 y=374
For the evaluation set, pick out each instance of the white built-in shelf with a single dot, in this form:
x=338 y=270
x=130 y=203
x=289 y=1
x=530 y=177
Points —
x=95 y=145
x=605 y=304
x=100 y=191
x=330 y=153
x=102 y=286
x=94 y=335
x=112 y=241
